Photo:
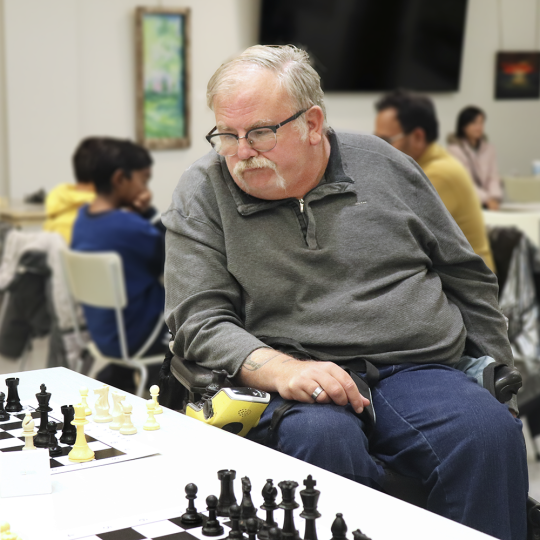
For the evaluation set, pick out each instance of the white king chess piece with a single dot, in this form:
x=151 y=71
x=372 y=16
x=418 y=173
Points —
x=28 y=432
x=102 y=405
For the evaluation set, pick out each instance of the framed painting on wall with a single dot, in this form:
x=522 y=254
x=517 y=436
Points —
x=163 y=77
x=517 y=75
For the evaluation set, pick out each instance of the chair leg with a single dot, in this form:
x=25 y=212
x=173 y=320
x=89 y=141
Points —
x=142 y=383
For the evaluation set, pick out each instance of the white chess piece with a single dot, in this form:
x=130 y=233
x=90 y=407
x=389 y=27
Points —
x=151 y=423
x=28 y=432
x=127 y=427
x=117 y=412
x=102 y=405
x=84 y=396
x=154 y=392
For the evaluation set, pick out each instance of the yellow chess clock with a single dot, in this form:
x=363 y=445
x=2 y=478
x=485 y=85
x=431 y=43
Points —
x=235 y=410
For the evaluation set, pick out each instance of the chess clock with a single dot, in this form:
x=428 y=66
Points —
x=235 y=410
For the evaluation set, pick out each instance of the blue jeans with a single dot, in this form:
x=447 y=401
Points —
x=433 y=423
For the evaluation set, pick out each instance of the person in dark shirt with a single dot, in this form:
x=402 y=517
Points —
x=120 y=220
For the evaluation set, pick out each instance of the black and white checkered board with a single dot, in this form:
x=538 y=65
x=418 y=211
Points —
x=11 y=440
x=163 y=529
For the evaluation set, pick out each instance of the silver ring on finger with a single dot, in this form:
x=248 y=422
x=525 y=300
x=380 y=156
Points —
x=317 y=392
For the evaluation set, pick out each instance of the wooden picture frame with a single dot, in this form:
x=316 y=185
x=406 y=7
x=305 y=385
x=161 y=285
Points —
x=162 y=45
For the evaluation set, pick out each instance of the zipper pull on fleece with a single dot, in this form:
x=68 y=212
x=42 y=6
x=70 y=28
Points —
x=301 y=202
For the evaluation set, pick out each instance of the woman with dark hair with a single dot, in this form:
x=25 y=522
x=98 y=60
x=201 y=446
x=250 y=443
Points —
x=469 y=145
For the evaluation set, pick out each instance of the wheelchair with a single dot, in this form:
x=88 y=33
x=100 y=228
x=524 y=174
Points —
x=195 y=380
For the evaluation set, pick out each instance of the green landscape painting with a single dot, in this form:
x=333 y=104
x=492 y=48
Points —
x=164 y=107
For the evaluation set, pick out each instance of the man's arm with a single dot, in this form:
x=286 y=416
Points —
x=273 y=371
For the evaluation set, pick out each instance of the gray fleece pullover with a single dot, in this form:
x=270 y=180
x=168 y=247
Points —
x=370 y=266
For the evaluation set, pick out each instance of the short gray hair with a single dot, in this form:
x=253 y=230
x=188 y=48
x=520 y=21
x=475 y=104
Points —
x=292 y=67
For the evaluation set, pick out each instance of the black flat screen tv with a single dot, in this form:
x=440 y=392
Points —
x=373 y=45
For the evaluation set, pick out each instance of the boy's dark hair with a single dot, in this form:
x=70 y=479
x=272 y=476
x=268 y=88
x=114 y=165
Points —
x=113 y=154
x=83 y=160
x=465 y=117
x=412 y=111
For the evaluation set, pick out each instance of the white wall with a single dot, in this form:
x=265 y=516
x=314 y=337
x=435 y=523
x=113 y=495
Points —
x=69 y=73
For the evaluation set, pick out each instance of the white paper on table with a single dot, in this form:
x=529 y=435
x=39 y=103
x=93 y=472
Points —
x=25 y=473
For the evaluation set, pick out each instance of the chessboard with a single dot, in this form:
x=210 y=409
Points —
x=109 y=446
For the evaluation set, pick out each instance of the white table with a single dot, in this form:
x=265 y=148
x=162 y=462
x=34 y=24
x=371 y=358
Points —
x=190 y=451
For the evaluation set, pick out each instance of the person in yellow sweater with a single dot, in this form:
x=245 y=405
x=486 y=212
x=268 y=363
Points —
x=409 y=123
x=63 y=202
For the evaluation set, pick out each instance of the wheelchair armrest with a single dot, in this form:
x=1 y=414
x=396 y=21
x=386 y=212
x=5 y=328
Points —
x=507 y=382
x=194 y=377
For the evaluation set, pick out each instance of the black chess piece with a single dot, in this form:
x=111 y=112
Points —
x=4 y=415
x=359 y=535
x=339 y=528
x=13 y=403
x=252 y=525
x=212 y=527
x=274 y=533
x=69 y=431
x=235 y=533
x=288 y=487
x=226 y=497
x=54 y=449
x=310 y=498
x=42 y=438
x=191 y=517
x=269 y=493
x=247 y=509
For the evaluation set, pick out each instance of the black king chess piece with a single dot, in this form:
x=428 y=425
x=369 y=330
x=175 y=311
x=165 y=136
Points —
x=191 y=517
x=13 y=403
x=226 y=496
x=4 y=415
x=69 y=431
x=269 y=493
x=310 y=498
x=42 y=438
x=54 y=449
x=288 y=487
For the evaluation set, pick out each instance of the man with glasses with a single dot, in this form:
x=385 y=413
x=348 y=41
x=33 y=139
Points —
x=409 y=123
x=295 y=253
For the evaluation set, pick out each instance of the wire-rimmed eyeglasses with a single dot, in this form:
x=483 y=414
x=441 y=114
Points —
x=262 y=139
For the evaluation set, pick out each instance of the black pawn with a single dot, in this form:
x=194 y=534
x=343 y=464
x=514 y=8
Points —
x=191 y=517
x=235 y=532
x=212 y=527
x=13 y=402
x=269 y=493
x=252 y=525
x=310 y=498
x=274 y=534
x=359 y=535
x=339 y=528
x=288 y=487
x=69 y=431
x=226 y=496
x=54 y=449
x=42 y=438
x=4 y=415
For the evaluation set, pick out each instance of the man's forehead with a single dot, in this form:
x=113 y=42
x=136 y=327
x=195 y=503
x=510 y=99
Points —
x=224 y=126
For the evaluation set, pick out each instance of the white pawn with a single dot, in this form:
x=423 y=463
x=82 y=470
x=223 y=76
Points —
x=28 y=432
x=127 y=427
x=102 y=405
x=84 y=396
x=154 y=392
x=151 y=423
x=117 y=412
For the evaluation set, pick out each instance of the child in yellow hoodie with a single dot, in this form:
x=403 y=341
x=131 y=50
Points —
x=63 y=202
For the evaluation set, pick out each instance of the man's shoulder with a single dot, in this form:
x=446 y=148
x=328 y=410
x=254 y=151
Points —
x=443 y=167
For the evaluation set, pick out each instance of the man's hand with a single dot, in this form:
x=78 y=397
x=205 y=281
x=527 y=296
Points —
x=272 y=371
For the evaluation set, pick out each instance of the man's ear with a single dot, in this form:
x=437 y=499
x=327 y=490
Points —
x=117 y=178
x=418 y=135
x=315 y=123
